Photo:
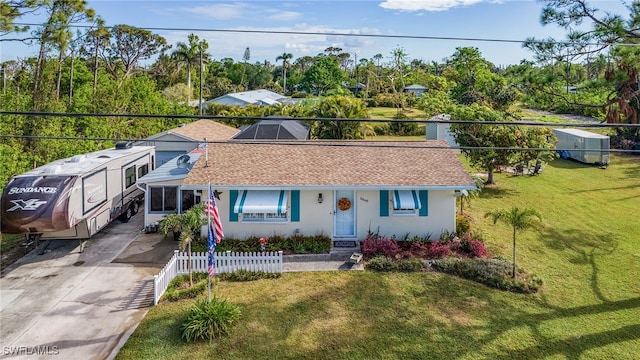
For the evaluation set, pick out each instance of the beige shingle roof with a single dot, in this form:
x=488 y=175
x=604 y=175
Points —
x=203 y=128
x=317 y=163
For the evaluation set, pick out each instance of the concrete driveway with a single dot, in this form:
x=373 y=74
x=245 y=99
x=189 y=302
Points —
x=58 y=302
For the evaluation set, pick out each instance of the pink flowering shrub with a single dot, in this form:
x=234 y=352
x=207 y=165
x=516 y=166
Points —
x=438 y=250
x=470 y=245
x=374 y=246
x=478 y=249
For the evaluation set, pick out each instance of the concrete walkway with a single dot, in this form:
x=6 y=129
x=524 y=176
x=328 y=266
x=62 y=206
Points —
x=336 y=260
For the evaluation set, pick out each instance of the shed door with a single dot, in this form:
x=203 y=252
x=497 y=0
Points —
x=345 y=214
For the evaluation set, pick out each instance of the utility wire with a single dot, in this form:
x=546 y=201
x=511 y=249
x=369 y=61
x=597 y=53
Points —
x=396 y=144
x=327 y=33
x=285 y=118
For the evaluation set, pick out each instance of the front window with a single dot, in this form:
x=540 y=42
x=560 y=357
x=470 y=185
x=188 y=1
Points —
x=164 y=199
x=262 y=205
x=405 y=202
x=189 y=199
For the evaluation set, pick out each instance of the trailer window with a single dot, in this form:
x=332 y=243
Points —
x=130 y=176
x=143 y=170
x=164 y=199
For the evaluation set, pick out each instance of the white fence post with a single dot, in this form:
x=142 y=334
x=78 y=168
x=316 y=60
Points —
x=225 y=262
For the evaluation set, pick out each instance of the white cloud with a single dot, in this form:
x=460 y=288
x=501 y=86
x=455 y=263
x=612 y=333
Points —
x=428 y=5
x=219 y=11
x=284 y=15
x=269 y=45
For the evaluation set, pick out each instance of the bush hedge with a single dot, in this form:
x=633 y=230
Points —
x=294 y=244
x=384 y=264
x=493 y=272
x=179 y=287
x=247 y=275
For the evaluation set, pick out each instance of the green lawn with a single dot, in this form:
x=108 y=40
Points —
x=588 y=254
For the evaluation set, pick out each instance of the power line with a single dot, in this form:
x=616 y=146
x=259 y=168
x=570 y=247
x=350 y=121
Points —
x=397 y=144
x=321 y=33
x=286 y=118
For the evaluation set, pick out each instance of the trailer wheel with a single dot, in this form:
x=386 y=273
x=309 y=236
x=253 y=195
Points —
x=135 y=207
x=126 y=216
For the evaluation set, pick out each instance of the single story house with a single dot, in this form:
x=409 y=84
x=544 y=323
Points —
x=185 y=138
x=253 y=97
x=343 y=189
x=415 y=88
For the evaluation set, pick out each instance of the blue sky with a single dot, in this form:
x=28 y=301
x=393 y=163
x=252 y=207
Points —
x=509 y=20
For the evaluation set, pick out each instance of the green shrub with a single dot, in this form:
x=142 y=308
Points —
x=247 y=275
x=463 y=223
x=381 y=263
x=297 y=243
x=207 y=320
x=385 y=264
x=410 y=265
x=494 y=272
x=179 y=288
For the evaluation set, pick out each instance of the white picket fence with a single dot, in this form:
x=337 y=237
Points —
x=225 y=262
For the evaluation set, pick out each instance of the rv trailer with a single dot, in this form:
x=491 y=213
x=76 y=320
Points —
x=583 y=146
x=76 y=197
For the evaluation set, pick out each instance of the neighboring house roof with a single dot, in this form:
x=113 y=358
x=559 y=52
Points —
x=200 y=129
x=276 y=129
x=171 y=170
x=253 y=97
x=415 y=87
x=369 y=164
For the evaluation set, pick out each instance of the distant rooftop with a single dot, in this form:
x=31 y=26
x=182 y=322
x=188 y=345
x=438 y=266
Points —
x=275 y=129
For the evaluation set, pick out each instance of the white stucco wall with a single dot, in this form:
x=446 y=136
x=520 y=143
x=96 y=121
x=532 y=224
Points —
x=319 y=218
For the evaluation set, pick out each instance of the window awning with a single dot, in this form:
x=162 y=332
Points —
x=405 y=200
x=261 y=202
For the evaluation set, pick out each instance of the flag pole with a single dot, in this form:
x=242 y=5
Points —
x=208 y=236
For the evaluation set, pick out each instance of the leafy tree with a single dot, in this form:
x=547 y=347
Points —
x=129 y=46
x=191 y=54
x=475 y=81
x=481 y=141
x=96 y=40
x=246 y=57
x=339 y=106
x=55 y=31
x=323 y=75
x=591 y=33
x=188 y=225
x=285 y=57
x=518 y=219
x=10 y=10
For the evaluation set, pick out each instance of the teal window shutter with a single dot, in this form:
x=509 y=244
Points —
x=424 y=202
x=295 y=205
x=233 y=196
x=384 y=202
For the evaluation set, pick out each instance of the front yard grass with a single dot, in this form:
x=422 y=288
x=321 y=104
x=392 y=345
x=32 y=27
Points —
x=588 y=254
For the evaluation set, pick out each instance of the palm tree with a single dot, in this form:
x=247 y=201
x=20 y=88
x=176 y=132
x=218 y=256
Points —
x=188 y=227
x=285 y=63
x=190 y=55
x=518 y=219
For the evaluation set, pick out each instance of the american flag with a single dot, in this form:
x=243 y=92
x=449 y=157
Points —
x=214 y=233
